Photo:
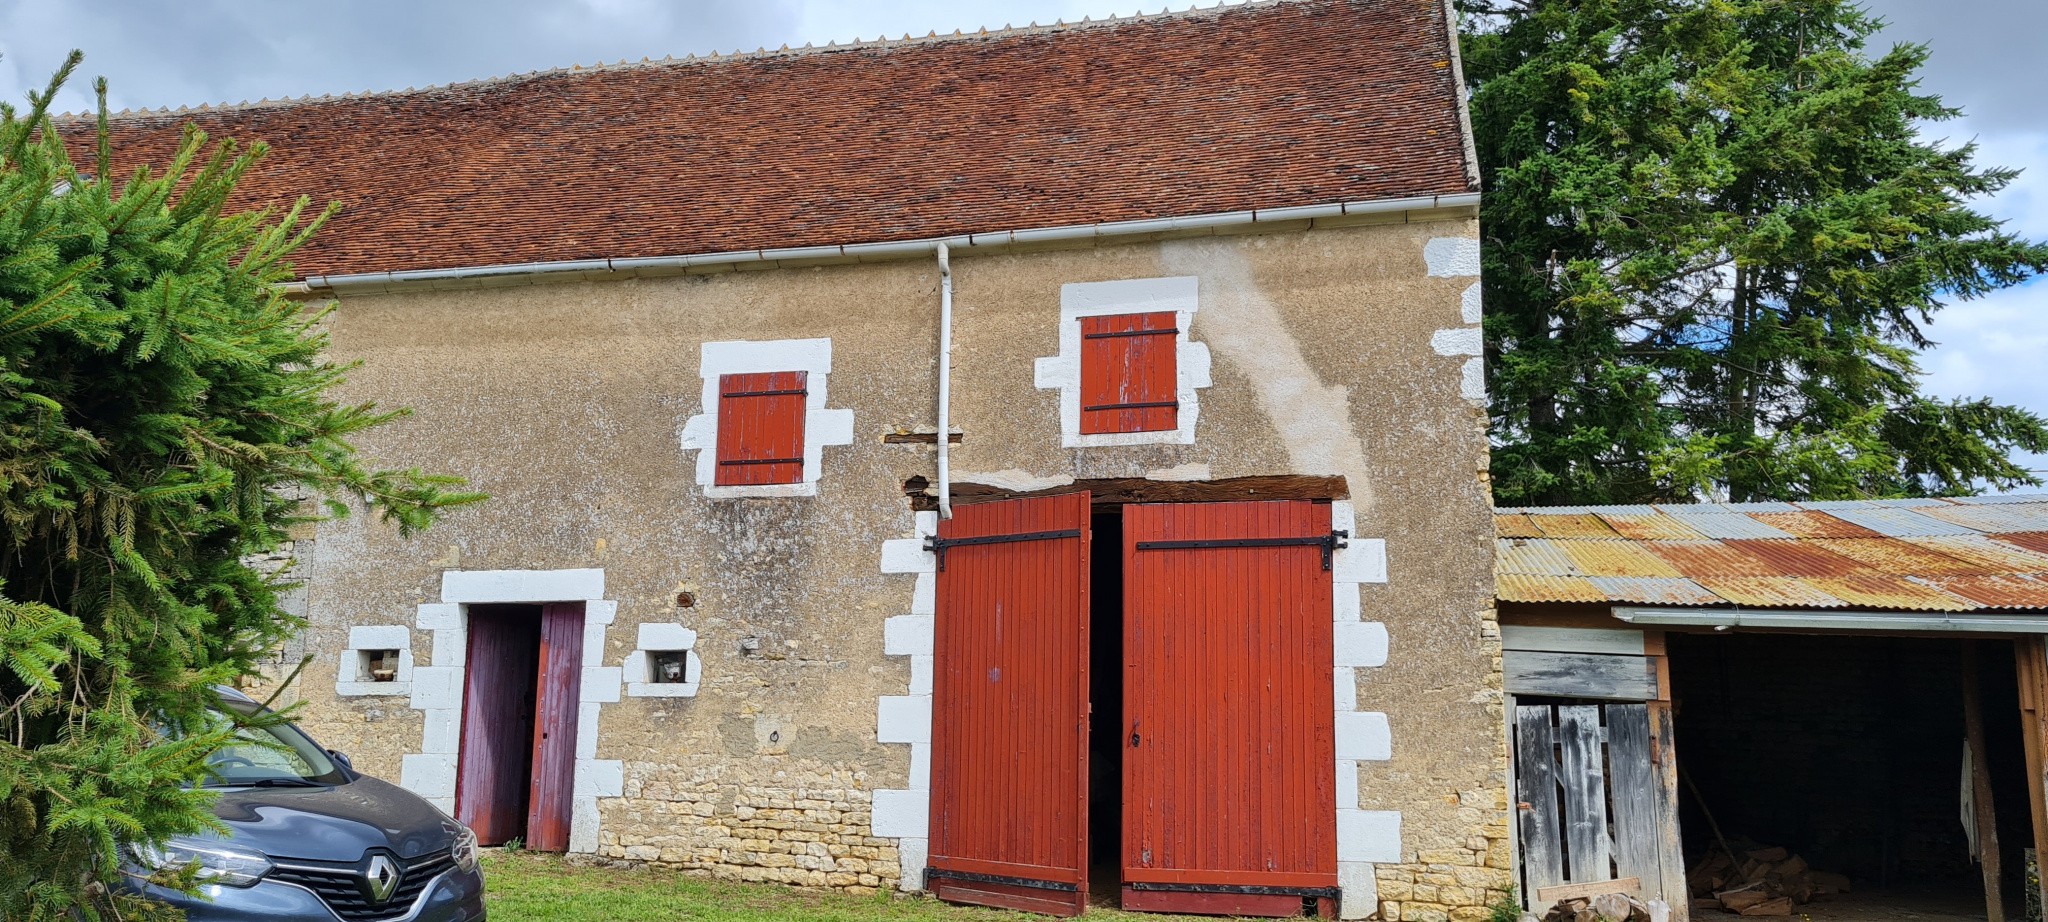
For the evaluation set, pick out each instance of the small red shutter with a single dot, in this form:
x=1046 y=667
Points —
x=761 y=428
x=1128 y=373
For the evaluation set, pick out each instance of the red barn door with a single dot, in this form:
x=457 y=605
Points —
x=1009 y=822
x=556 y=706
x=1229 y=771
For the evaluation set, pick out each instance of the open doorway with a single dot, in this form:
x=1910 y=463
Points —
x=515 y=771
x=1846 y=755
x=1106 y=708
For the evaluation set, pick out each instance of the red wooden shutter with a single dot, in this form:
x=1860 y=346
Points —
x=1009 y=818
x=1229 y=730
x=1129 y=373
x=557 y=704
x=761 y=428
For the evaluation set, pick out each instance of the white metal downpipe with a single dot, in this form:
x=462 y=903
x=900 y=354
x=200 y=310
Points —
x=945 y=381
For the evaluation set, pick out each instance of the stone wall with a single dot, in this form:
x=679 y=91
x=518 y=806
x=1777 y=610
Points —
x=695 y=820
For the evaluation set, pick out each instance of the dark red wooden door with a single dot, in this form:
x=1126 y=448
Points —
x=556 y=705
x=1009 y=819
x=1229 y=777
x=497 y=722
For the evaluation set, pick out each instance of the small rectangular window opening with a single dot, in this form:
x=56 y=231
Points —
x=377 y=665
x=1129 y=373
x=669 y=667
x=761 y=428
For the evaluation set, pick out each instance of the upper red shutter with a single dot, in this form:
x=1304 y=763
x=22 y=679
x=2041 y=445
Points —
x=1129 y=380
x=761 y=428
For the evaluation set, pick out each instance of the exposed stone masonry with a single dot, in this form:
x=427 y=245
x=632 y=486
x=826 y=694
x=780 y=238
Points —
x=696 y=820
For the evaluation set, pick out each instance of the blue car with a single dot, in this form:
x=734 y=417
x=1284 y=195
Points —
x=312 y=839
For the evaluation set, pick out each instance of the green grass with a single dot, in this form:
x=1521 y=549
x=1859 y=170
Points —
x=528 y=887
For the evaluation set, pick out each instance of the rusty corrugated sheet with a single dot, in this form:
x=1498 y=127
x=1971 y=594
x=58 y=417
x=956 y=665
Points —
x=1915 y=555
x=1704 y=558
x=2036 y=541
x=1652 y=590
x=1538 y=556
x=1616 y=558
x=1898 y=556
x=1795 y=558
x=1515 y=525
x=1813 y=525
x=1896 y=592
x=1650 y=526
x=2001 y=591
x=1580 y=525
x=1523 y=587
x=1770 y=592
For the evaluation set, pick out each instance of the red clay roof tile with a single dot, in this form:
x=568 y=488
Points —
x=1266 y=106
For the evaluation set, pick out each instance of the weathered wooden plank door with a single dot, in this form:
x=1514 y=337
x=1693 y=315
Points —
x=557 y=701
x=1228 y=788
x=497 y=723
x=1587 y=791
x=1009 y=817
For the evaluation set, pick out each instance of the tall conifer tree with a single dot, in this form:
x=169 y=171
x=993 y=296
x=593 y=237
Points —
x=1715 y=234
x=162 y=409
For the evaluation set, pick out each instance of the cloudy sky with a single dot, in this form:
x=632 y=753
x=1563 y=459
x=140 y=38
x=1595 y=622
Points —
x=196 y=51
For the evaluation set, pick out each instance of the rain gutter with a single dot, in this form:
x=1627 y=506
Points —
x=1725 y=618
x=595 y=269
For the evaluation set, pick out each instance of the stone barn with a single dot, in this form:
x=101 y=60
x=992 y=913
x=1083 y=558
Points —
x=1027 y=466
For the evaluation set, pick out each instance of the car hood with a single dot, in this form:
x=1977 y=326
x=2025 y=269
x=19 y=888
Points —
x=334 y=823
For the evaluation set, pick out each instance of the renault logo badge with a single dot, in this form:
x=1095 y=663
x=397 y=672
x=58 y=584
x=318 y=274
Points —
x=380 y=878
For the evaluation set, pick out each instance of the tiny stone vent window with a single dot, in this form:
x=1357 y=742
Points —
x=761 y=428
x=1129 y=378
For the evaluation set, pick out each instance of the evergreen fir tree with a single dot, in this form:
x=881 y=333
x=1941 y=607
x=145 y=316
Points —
x=1714 y=233
x=162 y=409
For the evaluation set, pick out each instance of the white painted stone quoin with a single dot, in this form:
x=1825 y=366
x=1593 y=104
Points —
x=437 y=689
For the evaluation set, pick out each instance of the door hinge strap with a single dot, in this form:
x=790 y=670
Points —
x=1152 y=405
x=786 y=392
x=938 y=545
x=1169 y=331
x=1329 y=543
x=763 y=461
x=930 y=873
x=1320 y=892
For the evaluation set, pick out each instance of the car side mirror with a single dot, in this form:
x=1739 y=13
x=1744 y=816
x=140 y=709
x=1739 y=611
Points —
x=341 y=758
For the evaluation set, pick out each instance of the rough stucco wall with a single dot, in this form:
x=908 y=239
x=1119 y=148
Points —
x=565 y=402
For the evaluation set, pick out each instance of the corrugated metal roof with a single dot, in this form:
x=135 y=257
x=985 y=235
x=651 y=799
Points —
x=1901 y=555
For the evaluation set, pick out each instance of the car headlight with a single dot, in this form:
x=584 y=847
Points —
x=464 y=850
x=213 y=862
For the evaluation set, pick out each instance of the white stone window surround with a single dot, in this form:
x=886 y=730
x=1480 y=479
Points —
x=822 y=426
x=1179 y=294
x=349 y=680
x=1364 y=837
x=663 y=638
x=438 y=689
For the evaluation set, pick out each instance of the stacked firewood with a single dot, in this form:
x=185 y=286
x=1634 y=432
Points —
x=1762 y=882
x=1606 y=907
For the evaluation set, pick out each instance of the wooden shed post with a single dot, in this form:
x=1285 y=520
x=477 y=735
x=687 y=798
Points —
x=1980 y=786
x=2031 y=659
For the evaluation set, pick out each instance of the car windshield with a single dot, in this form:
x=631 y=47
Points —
x=275 y=756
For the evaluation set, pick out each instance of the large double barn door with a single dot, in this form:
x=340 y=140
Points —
x=1010 y=706
x=1229 y=775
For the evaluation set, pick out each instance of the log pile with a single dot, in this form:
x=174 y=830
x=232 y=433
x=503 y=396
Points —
x=1762 y=882
x=1606 y=907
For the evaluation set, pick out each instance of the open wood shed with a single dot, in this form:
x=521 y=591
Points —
x=1776 y=707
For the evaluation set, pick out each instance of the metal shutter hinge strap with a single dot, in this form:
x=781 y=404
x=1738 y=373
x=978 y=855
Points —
x=1329 y=544
x=938 y=545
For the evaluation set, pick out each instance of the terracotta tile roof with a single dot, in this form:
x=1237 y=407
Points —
x=1912 y=555
x=1262 y=106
